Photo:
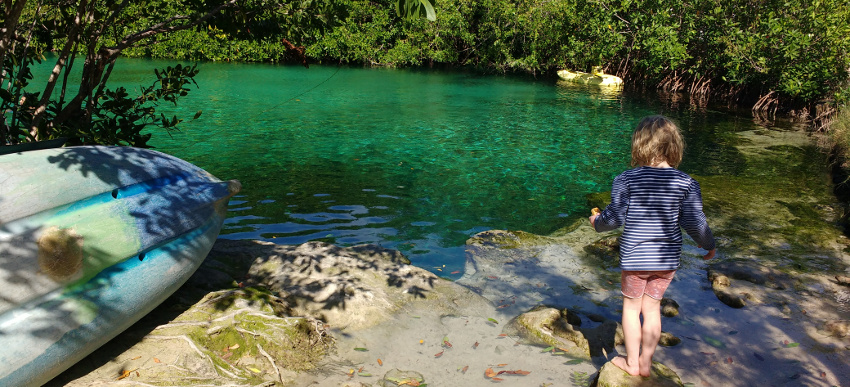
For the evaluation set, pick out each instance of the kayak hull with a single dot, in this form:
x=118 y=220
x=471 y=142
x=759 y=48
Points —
x=91 y=240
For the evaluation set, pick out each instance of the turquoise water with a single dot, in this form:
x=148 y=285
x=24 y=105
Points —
x=412 y=159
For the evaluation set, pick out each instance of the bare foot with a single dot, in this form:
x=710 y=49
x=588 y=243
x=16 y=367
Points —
x=645 y=367
x=620 y=361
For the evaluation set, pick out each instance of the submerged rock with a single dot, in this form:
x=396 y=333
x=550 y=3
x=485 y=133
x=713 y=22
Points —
x=607 y=250
x=669 y=307
x=668 y=340
x=839 y=328
x=753 y=272
x=612 y=376
x=504 y=239
x=561 y=329
x=720 y=284
x=396 y=377
x=549 y=327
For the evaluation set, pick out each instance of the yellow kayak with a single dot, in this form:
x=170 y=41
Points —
x=595 y=77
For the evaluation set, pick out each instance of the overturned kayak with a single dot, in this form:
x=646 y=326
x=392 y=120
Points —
x=92 y=238
x=595 y=77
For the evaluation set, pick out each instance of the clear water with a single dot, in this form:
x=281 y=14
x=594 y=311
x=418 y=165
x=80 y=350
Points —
x=412 y=159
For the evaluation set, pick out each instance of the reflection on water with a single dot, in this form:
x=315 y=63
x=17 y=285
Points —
x=412 y=159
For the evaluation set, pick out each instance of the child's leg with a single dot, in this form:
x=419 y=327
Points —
x=632 y=332
x=650 y=332
x=656 y=285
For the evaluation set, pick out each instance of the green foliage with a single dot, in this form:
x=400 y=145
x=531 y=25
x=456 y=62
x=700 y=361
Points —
x=91 y=35
x=412 y=9
x=116 y=117
x=119 y=119
x=798 y=49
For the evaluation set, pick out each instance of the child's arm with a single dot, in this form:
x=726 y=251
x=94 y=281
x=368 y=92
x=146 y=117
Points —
x=615 y=214
x=693 y=220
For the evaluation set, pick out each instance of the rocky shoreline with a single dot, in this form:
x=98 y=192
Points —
x=771 y=309
x=258 y=314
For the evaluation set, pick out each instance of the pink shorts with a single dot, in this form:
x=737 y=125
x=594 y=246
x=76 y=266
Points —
x=652 y=283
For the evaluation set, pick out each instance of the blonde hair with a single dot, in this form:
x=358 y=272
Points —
x=657 y=139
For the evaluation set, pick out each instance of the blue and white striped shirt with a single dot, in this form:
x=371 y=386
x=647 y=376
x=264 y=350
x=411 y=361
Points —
x=654 y=204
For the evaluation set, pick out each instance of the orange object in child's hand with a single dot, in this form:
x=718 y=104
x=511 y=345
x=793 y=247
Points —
x=595 y=211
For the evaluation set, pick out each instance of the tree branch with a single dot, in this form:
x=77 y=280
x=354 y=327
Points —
x=38 y=115
x=163 y=28
x=11 y=15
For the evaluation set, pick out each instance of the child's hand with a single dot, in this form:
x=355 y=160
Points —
x=594 y=213
x=709 y=255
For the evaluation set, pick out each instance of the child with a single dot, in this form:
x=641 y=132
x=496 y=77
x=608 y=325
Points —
x=653 y=202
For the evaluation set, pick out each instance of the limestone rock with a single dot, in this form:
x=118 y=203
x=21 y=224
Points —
x=547 y=326
x=396 y=377
x=612 y=376
x=606 y=249
x=667 y=339
x=353 y=287
x=753 y=272
x=502 y=239
x=840 y=328
x=233 y=336
x=720 y=284
x=669 y=307
x=561 y=329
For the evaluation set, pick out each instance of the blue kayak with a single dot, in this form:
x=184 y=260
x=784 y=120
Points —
x=92 y=238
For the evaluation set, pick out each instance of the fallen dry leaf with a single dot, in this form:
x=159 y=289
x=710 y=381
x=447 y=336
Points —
x=155 y=360
x=380 y=363
x=497 y=379
x=475 y=345
x=501 y=365
x=439 y=354
x=489 y=373
x=464 y=369
x=139 y=357
x=126 y=373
